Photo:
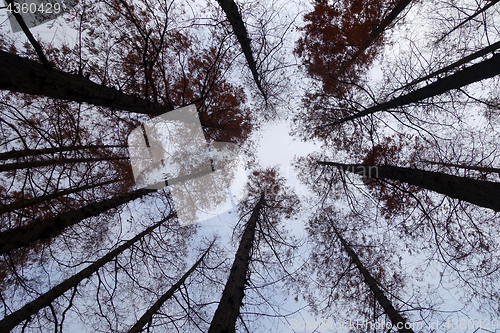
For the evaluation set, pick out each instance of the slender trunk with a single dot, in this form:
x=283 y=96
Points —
x=45 y=198
x=153 y=309
x=24 y=313
x=26 y=76
x=35 y=152
x=233 y=15
x=29 y=35
x=224 y=320
x=22 y=236
x=59 y=161
x=397 y=320
x=483 y=70
x=492 y=2
x=456 y=64
x=465 y=166
x=382 y=26
x=478 y=192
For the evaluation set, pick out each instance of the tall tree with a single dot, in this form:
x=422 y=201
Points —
x=481 y=71
x=26 y=76
x=146 y=317
x=23 y=203
x=228 y=310
x=47 y=162
x=269 y=201
x=50 y=227
x=43 y=151
x=397 y=320
x=478 y=192
x=337 y=35
x=17 y=317
x=234 y=16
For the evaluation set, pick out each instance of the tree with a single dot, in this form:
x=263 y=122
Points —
x=26 y=76
x=24 y=203
x=484 y=70
x=146 y=317
x=269 y=201
x=469 y=18
x=34 y=152
x=478 y=192
x=228 y=310
x=15 y=238
x=17 y=317
x=233 y=15
x=397 y=320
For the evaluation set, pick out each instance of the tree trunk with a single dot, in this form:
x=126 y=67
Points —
x=24 y=313
x=29 y=35
x=233 y=15
x=23 y=203
x=397 y=320
x=456 y=64
x=153 y=309
x=35 y=152
x=224 y=320
x=29 y=77
x=483 y=70
x=478 y=192
x=60 y=161
x=22 y=236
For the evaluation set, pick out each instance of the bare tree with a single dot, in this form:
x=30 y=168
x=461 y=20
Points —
x=17 y=317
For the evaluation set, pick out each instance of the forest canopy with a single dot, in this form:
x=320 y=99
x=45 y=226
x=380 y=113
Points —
x=386 y=219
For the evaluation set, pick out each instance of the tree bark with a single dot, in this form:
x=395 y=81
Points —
x=397 y=320
x=24 y=313
x=26 y=76
x=22 y=236
x=44 y=198
x=59 y=161
x=483 y=70
x=153 y=309
x=35 y=152
x=233 y=15
x=224 y=320
x=478 y=192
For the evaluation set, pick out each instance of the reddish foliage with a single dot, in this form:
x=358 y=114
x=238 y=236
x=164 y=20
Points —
x=334 y=34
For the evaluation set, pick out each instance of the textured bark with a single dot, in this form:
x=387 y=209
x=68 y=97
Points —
x=478 y=192
x=45 y=198
x=35 y=152
x=29 y=77
x=233 y=15
x=24 y=313
x=153 y=309
x=224 y=320
x=397 y=320
x=59 y=161
x=22 y=236
x=483 y=70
